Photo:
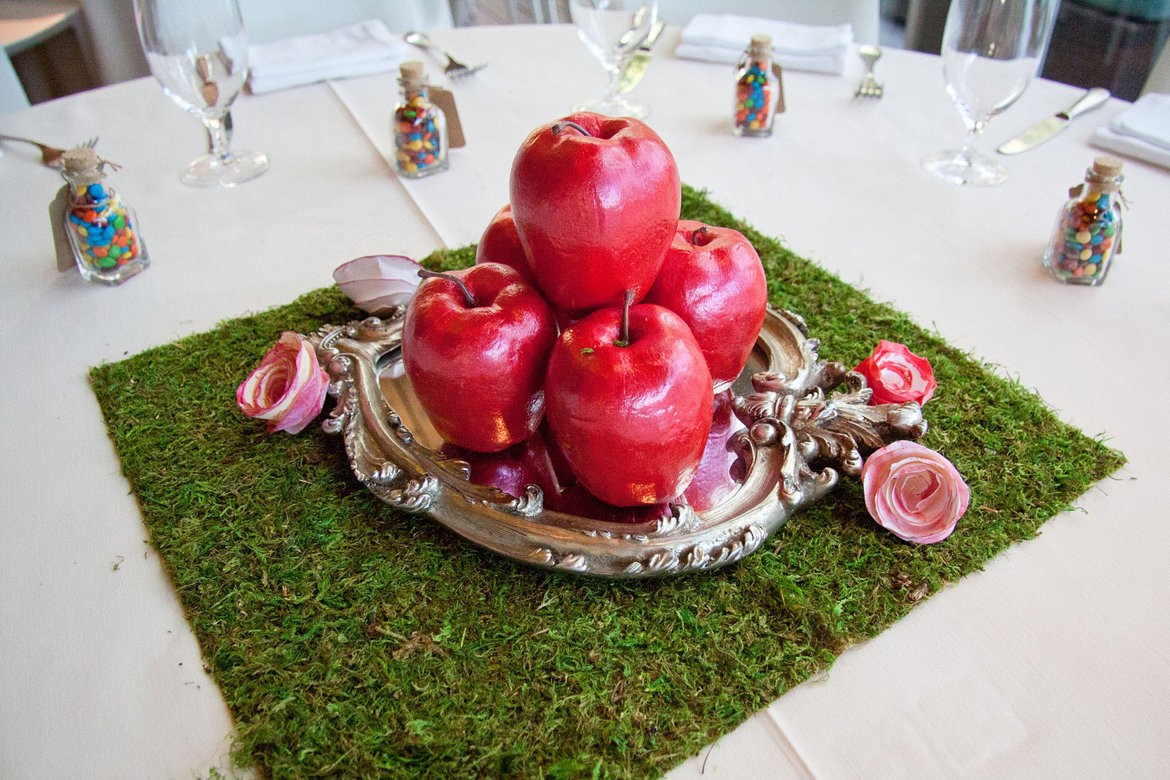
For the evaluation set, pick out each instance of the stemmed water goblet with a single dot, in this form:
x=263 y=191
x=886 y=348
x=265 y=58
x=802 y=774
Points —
x=613 y=30
x=198 y=52
x=991 y=50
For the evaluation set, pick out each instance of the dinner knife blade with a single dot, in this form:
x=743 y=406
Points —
x=636 y=67
x=1043 y=130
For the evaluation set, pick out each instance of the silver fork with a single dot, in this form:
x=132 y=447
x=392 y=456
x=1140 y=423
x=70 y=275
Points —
x=869 y=87
x=455 y=69
x=50 y=155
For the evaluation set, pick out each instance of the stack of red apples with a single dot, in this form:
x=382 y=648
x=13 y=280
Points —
x=591 y=348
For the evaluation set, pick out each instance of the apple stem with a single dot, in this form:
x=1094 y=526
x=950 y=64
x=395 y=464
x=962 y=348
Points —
x=559 y=127
x=427 y=274
x=698 y=231
x=624 y=341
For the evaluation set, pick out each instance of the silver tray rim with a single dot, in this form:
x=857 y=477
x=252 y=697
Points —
x=805 y=423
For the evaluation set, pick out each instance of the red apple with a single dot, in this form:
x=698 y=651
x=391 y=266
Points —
x=596 y=202
x=630 y=403
x=475 y=344
x=713 y=279
x=500 y=243
x=513 y=468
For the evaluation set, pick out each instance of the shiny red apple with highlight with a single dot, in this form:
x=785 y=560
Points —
x=712 y=278
x=596 y=203
x=630 y=403
x=475 y=344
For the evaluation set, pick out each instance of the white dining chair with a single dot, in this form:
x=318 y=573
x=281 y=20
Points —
x=538 y=11
x=1159 y=78
x=12 y=97
x=274 y=20
x=925 y=21
x=49 y=43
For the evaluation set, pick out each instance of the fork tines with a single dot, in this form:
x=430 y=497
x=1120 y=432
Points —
x=868 y=88
x=459 y=70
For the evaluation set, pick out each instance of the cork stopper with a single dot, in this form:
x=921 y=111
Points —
x=1107 y=165
x=1105 y=173
x=411 y=73
x=80 y=159
x=761 y=45
x=82 y=165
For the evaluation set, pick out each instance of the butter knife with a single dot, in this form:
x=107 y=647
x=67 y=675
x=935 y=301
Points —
x=1042 y=131
x=636 y=67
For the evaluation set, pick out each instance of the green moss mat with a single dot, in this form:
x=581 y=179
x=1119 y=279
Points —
x=351 y=639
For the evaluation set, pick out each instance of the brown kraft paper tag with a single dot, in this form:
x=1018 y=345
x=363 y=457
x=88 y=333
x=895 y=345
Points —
x=65 y=261
x=779 y=74
x=446 y=103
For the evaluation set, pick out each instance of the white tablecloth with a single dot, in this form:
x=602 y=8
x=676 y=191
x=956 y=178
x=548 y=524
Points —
x=1049 y=662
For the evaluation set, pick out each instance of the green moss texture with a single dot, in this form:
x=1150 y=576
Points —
x=350 y=639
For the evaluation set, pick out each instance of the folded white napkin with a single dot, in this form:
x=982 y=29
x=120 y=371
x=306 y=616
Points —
x=1141 y=131
x=357 y=50
x=723 y=38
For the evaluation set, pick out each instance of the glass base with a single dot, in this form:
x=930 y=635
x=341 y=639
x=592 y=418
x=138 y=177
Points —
x=1077 y=277
x=965 y=168
x=115 y=276
x=762 y=132
x=614 y=106
x=210 y=171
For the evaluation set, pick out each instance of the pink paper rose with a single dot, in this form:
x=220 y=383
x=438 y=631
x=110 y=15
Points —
x=288 y=388
x=897 y=375
x=914 y=492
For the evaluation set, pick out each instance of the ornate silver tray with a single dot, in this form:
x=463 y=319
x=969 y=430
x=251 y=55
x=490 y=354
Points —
x=804 y=422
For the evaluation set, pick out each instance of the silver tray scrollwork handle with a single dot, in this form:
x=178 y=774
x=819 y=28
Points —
x=806 y=422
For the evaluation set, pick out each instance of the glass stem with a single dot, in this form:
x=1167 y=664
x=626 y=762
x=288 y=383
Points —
x=218 y=138
x=227 y=128
x=968 y=150
x=615 y=77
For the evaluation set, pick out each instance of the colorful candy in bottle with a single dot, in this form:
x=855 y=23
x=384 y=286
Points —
x=420 y=128
x=100 y=225
x=755 y=89
x=1088 y=229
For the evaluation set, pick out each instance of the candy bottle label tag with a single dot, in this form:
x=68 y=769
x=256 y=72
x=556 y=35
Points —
x=446 y=103
x=779 y=74
x=65 y=261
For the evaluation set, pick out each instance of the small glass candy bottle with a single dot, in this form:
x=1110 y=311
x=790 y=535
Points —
x=1088 y=228
x=420 y=129
x=755 y=89
x=102 y=229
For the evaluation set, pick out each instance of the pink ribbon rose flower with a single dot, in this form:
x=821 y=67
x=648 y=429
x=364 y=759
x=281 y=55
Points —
x=914 y=492
x=896 y=375
x=288 y=388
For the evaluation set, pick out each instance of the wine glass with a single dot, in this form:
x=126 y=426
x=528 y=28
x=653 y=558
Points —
x=991 y=49
x=198 y=51
x=613 y=30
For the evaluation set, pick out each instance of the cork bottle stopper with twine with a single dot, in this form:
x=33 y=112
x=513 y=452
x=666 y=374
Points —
x=1104 y=176
x=82 y=166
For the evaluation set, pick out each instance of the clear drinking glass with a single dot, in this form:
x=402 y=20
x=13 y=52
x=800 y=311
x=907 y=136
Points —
x=991 y=49
x=198 y=52
x=612 y=30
